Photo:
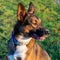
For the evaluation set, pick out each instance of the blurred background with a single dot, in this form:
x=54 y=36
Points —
x=47 y=10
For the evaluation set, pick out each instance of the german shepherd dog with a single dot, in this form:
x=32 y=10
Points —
x=27 y=29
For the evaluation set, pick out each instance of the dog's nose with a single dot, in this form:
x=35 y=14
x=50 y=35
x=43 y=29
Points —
x=47 y=31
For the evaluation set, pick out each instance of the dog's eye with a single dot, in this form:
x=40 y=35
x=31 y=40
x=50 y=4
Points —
x=35 y=20
x=35 y=23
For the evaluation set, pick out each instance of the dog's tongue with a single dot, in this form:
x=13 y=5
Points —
x=37 y=37
x=42 y=38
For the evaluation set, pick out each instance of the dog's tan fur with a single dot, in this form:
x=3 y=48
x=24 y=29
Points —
x=35 y=52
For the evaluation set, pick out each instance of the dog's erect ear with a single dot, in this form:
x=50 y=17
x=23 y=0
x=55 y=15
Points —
x=31 y=8
x=21 y=12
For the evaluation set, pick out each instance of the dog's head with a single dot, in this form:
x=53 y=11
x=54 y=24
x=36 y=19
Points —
x=28 y=24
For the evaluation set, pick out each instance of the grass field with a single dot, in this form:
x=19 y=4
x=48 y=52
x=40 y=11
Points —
x=47 y=10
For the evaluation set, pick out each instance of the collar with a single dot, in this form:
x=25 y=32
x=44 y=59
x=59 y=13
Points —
x=20 y=41
x=15 y=41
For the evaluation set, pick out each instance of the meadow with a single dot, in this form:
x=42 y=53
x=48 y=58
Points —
x=47 y=10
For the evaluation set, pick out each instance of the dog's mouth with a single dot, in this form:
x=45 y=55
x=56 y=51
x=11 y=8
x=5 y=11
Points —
x=39 y=33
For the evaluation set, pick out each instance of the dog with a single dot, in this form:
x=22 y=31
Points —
x=27 y=29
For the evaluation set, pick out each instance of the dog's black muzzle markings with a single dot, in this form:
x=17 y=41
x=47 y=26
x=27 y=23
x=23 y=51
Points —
x=39 y=33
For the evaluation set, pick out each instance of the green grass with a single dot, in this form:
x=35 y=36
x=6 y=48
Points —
x=47 y=10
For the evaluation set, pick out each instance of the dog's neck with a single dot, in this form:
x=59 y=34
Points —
x=23 y=40
x=22 y=48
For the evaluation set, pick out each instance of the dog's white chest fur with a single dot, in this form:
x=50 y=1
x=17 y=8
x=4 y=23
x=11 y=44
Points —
x=22 y=49
x=20 y=52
